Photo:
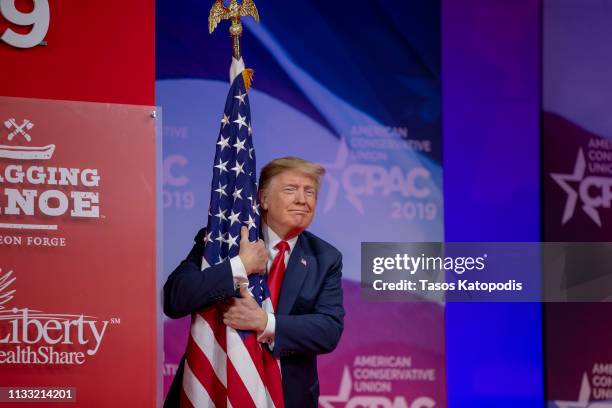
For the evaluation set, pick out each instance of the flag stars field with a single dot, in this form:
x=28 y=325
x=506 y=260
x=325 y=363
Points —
x=220 y=237
x=239 y=145
x=221 y=190
x=236 y=193
x=231 y=240
x=223 y=142
x=241 y=121
x=238 y=168
x=222 y=166
x=233 y=217
x=224 y=121
x=240 y=97
x=221 y=215
x=250 y=223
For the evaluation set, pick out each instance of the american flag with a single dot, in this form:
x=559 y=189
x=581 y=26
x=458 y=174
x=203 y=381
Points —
x=225 y=367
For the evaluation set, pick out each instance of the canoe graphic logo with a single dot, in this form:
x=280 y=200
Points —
x=23 y=152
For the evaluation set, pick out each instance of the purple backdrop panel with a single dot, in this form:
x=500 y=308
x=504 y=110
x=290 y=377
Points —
x=391 y=355
x=577 y=181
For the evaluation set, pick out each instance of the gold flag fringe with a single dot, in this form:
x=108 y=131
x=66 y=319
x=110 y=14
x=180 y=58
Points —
x=247 y=77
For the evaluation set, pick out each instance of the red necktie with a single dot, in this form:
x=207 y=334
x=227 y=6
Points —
x=277 y=273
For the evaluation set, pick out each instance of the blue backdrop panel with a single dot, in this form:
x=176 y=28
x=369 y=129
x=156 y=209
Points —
x=491 y=83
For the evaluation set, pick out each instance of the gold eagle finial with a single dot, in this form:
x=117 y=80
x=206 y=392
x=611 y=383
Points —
x=233 y=12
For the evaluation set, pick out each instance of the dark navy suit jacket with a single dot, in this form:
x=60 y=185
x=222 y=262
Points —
x=309 y=320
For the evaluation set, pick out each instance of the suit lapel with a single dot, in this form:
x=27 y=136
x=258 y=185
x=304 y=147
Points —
x=297 y=269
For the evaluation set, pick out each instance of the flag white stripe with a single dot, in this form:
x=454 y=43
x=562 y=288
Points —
x=194 y=390
x=269 y=399
x=241 y=359
x=204 y=337
x=266 y=305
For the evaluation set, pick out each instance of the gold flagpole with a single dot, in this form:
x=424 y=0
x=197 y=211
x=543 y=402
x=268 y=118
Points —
x=234 y=12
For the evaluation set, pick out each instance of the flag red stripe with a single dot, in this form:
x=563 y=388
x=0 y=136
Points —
x=205 y=374
x=273 y=379
x=184 y=400
x=256 y=354
x=268 y=370
x=238 y=394
x=217 y=326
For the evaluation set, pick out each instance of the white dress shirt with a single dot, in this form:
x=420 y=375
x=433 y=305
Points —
x=271 y=239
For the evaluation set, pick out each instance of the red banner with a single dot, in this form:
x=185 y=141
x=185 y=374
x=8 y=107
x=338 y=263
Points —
x=78 y=251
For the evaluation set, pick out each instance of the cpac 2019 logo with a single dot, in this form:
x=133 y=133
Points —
x=358 y=180
x=595 y=192
x=369 y=401
x=29 y=336
x=22 y=182
x=586 y=394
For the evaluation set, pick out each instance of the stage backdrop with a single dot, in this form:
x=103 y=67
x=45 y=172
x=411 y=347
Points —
x=357 y=93
x=577 y=180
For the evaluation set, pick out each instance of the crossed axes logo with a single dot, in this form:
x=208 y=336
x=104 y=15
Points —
x=19 y=129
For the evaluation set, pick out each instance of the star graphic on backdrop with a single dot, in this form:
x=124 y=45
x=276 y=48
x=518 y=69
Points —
x=250 y=129
x=344 y=391
x=224 y=121
x=223 y=142
x=239 y=145
x=240 y=97
x=250 y=153
x=583 y=396
x=238 y=168
x=221 y=190
x=333 y=176
x=255 y=208
x=572 y=195
x=233 y=217
x=240 y=121
x=222 y=166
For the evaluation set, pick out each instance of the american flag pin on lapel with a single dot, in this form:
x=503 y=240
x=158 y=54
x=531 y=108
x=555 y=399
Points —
x=303 y=261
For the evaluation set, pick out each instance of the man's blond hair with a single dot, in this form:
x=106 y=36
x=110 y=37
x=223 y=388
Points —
x=282 y=164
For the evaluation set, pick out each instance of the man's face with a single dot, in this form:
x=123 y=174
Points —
x=289 y=203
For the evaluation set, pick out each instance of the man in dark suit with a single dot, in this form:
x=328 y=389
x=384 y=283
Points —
x=308 y=319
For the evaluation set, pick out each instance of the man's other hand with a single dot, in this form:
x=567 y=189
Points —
x=244 y=313
x=252 y=254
